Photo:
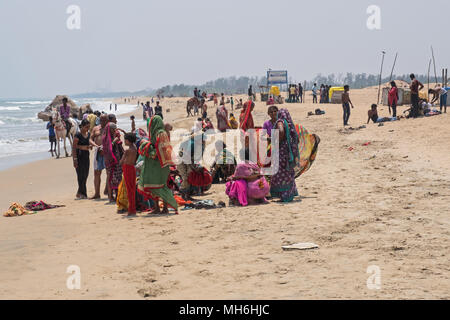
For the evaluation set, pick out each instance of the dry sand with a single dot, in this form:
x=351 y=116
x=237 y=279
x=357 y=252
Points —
x=385 y=204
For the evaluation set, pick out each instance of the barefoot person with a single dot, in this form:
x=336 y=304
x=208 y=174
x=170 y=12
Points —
x=51 y=135
x=112 y=152
x=415 y=87
x=373 y=115
x=439 y=93
x=346 y=102
x=80 y=154
x=128 y=183
x=99 y=160
x=157 y=153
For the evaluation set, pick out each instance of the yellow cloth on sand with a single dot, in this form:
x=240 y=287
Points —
x=16 y=209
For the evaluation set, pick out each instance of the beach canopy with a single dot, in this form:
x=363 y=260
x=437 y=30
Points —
x=335 y=89
x=275 y=91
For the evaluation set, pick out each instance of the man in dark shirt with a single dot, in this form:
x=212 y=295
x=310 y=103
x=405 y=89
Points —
x=158 y=109
x=300 y=92
x=415 y=87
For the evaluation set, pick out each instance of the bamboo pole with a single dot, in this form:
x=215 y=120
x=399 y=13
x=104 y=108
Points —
x=434 y=63
x=429 y=67
x=379 y=80
x=393 y=66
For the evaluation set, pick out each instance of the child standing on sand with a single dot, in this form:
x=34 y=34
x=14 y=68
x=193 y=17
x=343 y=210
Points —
x=51 y=135
x=128 y=162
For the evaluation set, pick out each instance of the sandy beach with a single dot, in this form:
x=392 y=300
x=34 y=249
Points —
x=385 y=204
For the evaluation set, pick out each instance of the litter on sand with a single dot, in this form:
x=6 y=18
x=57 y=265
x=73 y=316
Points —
x=301 y=246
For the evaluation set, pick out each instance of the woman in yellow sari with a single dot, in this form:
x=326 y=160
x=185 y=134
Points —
x=157 y=154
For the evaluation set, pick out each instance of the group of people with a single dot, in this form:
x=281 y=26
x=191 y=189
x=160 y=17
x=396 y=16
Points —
x=323 y=92
x=148 y=111
x=295 y=93
x=141 y=174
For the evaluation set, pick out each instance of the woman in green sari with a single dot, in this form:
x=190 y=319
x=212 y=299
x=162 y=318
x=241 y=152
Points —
x=157 y=154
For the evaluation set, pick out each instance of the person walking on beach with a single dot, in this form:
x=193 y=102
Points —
x=250 y=92
x=51 y=135
x=232 y=103
x=96 y=140
x=393 y=99
x=80 y=154
x=346 y=102
x=415 y=87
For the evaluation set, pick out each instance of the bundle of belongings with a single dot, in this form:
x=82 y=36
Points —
x=31 y=207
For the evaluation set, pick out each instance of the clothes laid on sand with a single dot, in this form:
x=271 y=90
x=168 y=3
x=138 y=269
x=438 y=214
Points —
x=40 y=206
x=31 y=207
x=283 y=181
x=16 y=209
x=155 y=171
x=247 y=184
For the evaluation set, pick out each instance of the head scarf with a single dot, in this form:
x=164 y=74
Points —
x=155 y=127
x=246 y=169
x=292 y=138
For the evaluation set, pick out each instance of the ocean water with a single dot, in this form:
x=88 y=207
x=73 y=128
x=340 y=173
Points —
x=22 y=133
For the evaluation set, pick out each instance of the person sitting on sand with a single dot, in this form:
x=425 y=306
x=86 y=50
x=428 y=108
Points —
x=224 y=164
x=233 y=122
x=247 y=185
x=373 y=115
x=127 y=187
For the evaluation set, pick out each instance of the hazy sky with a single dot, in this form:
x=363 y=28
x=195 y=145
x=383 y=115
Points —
x=138 y=44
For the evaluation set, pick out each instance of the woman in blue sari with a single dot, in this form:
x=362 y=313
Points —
x=282 y=183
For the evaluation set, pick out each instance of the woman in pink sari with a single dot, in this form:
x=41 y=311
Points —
x=112 y=152
x=247 y=185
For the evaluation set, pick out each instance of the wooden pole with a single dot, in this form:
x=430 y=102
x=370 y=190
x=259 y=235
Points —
x=446 y=79
x=379 y=80
x=429 y=67
x=393 y=66
x=434 y=63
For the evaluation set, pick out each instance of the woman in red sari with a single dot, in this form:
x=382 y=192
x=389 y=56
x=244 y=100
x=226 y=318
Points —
x=246 y=118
